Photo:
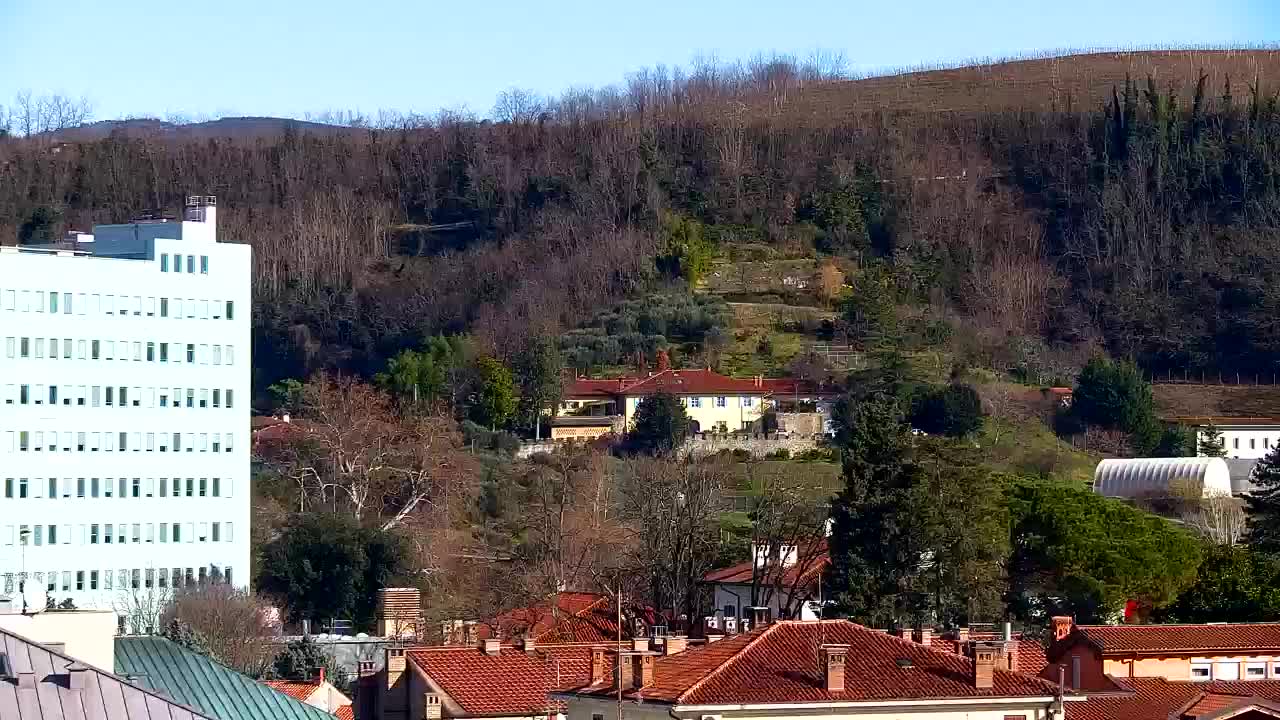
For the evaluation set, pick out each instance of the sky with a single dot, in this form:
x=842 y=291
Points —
x=289 y=57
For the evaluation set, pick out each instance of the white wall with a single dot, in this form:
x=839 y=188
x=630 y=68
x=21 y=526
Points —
x=1247 y=442
x=739 y=596
x=139 y=284
x=737 y=410
x=89 y=636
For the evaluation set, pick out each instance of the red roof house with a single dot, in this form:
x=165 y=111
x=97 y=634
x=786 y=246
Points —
x=795 y=668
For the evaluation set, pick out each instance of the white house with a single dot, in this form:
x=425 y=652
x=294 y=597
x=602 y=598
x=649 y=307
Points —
x=1242 y=437
x=787 y=582
x=124 y=410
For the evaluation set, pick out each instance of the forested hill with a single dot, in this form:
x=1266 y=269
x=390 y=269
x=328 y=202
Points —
x=1040 y=208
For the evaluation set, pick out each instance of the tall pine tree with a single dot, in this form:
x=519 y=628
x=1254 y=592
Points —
x=1264 y=504
x=875 y=546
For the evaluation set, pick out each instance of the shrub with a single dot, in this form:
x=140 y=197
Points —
x=954 y=411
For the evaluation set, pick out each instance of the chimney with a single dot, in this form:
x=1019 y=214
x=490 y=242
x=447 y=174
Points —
x=76 y=675
x=1062 y=625
x=962 y=634
x=904 y=633
x=395 y=666
x=26 y=680
x=924 y=635
x=675 y=644
x=430 y=706
x=318 y=674
x=1011 y=655
x=1008 y=631
x=833 y=666
x=469 y=632
x=984 y=665
x=364 y=668
x=759 y=381
x=55 y=647
x=640 y=644
x=760 y=617
x=492 y=647
x=597 y=666
x=529 y=645
x=399 y=610
x=641 y=670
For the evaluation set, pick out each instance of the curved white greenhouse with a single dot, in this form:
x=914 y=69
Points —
x=1146 y=477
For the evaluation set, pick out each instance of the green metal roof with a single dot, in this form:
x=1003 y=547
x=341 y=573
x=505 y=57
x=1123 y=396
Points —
x=195 y=680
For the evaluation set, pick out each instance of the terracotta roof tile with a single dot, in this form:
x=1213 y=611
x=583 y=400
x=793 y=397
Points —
x=511 y=683
x=1160 y=699
x=1182 y=638
x=296 y=690
x=812 y=562
x=345 y=713
x=563 y=618
x=779 y=664
x=676 y=382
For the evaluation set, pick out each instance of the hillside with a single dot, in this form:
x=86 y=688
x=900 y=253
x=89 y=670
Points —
x=236 y=128
x=1012 y=232
x=1058 y=83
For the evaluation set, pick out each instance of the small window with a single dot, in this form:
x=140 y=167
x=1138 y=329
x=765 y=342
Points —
x=721 y=401
x=231 y=310
x=1255 y=671
x=191 y=264
x=1201 y=671
x=164 y=262
x=204 y=264
x=164 y=307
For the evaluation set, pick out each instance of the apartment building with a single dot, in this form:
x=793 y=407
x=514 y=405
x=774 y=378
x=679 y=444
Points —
x=124 y=411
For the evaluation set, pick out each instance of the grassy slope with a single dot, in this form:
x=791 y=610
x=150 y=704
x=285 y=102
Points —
x=1238 y=401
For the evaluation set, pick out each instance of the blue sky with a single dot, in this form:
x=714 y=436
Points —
x=288 y=57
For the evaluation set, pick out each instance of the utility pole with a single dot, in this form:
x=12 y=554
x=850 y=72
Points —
x=618 y=668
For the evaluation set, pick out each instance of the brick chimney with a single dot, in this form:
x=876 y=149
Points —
x=924 y=636
x=492 y=647
x=962 y=634
x=760 y=617
x=431 y=706
x=640 y=644
x=597 y=666
x=675 y=644
x=641 y=670
x=395 y=693
x=529 y=644
x=1011 y=655
x=76 y=674
x=984 y=665
x=833 y=657
x=904 y=633
x=1062 y=625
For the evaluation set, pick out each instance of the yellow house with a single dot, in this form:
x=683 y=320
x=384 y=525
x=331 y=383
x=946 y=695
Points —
x=714 y=402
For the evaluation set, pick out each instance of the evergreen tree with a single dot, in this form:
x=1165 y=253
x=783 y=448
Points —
x=539 y=369
x=876 y=546
x=1263 y=504
x=1210 y=443
x=1114 y=395
x=954 y=411
x=495 y=395
x=660 y=425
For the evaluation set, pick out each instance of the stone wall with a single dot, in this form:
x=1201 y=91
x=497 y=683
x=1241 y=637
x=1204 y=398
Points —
x=759 y=445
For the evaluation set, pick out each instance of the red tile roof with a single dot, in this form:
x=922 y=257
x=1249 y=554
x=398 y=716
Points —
x=345 y=713
x=562 y=618
x=1031 y=657
x=808 y=565
x=513 y=682
x=1160 y=699
x=675 y=382
x=296 y=690
x=779 y=664
x=1126 y=639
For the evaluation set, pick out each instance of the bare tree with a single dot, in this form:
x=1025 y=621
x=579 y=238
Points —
x=517 y=105
x=788 y=540
x=231 y=621
x=142 y=607
x=1219 y=518
x=350 y=446
x=675 y=507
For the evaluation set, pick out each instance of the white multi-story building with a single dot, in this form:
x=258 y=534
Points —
x=124 y=412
